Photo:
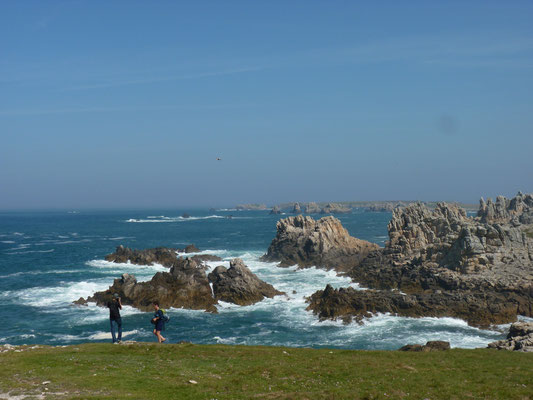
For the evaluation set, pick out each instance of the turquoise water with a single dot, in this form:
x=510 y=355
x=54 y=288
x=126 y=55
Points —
x=49 y=259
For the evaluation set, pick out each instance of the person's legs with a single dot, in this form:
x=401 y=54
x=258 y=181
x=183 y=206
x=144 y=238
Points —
x=160 y=338
x=119 y=323
x=112 y=330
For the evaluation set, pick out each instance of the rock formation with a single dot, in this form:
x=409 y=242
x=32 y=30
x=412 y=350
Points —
x=187 y=285
x=239 y=285
x=275 y=210
x=324 y=243
x=312 y=208
x=296 y=209
x=520 y=338
x=479 y=269
x=333 y=208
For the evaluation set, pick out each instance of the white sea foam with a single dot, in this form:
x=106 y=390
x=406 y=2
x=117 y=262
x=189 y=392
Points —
x=32 y=251
x=7 y=241
x=107 y=335
x=172 y=219
x=140 y=271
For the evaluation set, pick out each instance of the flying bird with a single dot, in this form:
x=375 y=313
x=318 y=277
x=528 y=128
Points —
x=219 y=159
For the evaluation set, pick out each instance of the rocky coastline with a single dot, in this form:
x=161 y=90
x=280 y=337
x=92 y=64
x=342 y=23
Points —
x=437 y=262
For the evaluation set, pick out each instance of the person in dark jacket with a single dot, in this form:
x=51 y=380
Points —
x=158 y=322
x=115 y=306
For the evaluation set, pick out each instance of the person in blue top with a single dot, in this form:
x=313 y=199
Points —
x=158 y=322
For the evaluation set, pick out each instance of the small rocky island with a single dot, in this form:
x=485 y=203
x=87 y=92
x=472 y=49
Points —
x=436 y=263
x=186 y=285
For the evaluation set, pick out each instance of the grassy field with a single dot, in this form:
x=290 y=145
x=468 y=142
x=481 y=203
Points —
x=152 y=371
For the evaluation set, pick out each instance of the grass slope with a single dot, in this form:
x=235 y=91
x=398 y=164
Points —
x=152 y=371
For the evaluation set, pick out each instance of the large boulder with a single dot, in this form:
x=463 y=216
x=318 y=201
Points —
x=239 y=285
x=325 y=243
x=296 y=209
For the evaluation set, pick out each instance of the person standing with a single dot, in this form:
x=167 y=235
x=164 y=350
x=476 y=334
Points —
x=159 y=322
x=115 y=306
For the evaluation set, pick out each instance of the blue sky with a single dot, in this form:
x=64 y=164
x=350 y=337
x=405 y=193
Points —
x=129 y=103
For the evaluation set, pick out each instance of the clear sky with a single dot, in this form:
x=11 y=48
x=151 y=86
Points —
x=129 y=103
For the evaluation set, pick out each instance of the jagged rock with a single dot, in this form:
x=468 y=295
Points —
x=518 y=210
x=434 y=345
x=324 y=243
x=312 y=208
x=442 y=255
x=188 y=286
x=275 y=210
x=520 y=338
x=333 y=208
x=296 y=209
x=185 y=286
x=239 y=285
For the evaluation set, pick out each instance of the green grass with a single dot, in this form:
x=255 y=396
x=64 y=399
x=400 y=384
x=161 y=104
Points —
x=152 y=371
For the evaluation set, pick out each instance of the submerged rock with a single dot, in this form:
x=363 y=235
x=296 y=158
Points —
x=239 y=285
x=324 y=243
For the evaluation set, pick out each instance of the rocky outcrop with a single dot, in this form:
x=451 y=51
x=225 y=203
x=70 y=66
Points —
x=448 y=264
x=187 y=285
x=251 y=207
x=516 y=211
x=239 y=285
x=520 y=338
x=477 y=308
x=433 y=345
x=325 y=243
x=333 y=208
x=159 y=255
x=275 y=210
x=296 y=209
x=312 y=208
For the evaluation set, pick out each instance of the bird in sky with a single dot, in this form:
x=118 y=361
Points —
x=219 y=159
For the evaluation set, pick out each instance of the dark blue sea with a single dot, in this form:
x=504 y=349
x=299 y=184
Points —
x=50 y=259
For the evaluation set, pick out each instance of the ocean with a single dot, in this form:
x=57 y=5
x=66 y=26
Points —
x=50 y=259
